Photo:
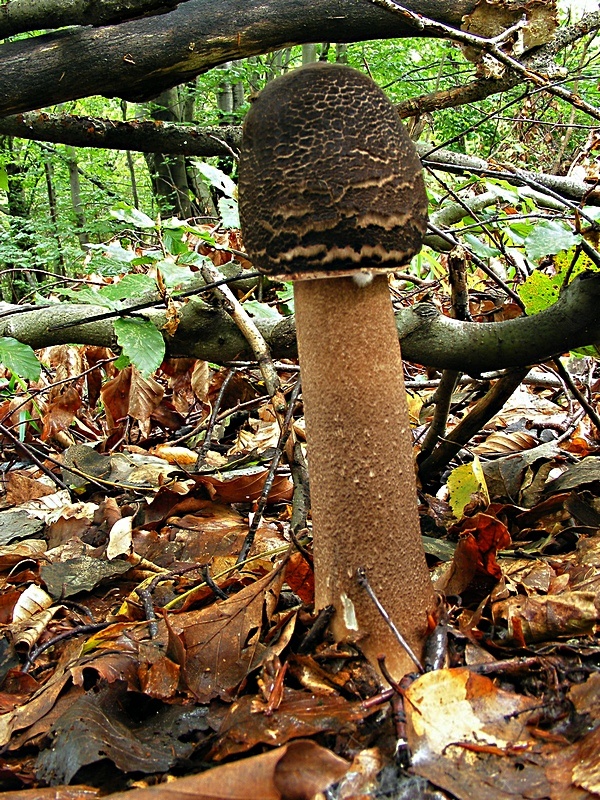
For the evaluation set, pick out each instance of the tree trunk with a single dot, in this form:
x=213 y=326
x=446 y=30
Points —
x=75 y=187
x=52 y=204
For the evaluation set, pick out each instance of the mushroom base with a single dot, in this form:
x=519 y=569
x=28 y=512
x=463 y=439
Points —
x=362 y=478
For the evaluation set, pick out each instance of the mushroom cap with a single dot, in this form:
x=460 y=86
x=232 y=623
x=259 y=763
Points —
x=330 y=182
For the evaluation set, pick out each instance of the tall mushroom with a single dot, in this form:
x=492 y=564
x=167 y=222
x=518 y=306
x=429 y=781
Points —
x=332 y=195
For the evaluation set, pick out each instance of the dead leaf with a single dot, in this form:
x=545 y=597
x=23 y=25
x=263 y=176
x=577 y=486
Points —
x=545 y=618
x=297 y=771
x=60 y=413
x=467 y=737
x=246 y=485
x=217 y=646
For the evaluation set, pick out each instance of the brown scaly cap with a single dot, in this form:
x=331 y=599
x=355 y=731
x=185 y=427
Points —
x=329 y=181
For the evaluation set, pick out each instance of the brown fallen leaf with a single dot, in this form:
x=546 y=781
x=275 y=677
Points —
x=467 y=736
x=246 y=485
x=250 y=720
x=217 y=646
x=296 y=771
x=543 y=618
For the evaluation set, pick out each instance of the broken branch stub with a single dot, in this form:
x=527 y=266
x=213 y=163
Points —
x=331 y=195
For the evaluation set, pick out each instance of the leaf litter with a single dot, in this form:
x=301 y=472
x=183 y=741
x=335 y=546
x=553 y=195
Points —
x=141 y=658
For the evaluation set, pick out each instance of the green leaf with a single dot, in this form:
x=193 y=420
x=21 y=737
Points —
x=503 y=189
x=122 y=362
x=3 y=179
x=173 y=241
x=262 y=311
x=132 y=215
x=563 y=262
x=114 y=251
x=175 y=274
x=130 y=286
x=583 y=352
x=593 y=212
x=89 y=297
x=216 y=178
x=285 y=297
x=519 y=231
x=548 y=237
x=191 y=258
x=19 y=358
x=228 y=209
x=142 y=343
x=539 y=291
x=480 y=248
x=466 y=483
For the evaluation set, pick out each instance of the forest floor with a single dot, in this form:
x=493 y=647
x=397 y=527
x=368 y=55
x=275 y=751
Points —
x=141 y=658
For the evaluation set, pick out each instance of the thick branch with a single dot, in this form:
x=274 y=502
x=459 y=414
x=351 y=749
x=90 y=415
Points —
x=193 y=140
x=145 y=136
x=140 y=58
x=19 y=16
x=207 y=332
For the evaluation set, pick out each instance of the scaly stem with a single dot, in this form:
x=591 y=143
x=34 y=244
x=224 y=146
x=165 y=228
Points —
x=362 y=477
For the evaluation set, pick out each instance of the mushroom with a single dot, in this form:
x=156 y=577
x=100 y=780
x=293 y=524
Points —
x=331 y=195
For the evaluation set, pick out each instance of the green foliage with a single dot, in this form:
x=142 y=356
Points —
x=131 y=215
x=141 y=342
x=262 y=311
x=216 y=177
x=19 y=359
x=130 y=286
x=549 y=237
x=539 y=292
x=466 y=484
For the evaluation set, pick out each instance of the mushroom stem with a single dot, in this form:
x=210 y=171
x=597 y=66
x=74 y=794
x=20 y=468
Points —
x=362 y=478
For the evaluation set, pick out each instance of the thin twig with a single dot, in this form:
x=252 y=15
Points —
x=492 y=46
x=218 y=592
x=148 y=304
x=31 y=453
x=262 y=503
x=363 y=581
x=213 y=417
x=253 y=336
x=61 y=637
x=581 y=398
x=146 y=597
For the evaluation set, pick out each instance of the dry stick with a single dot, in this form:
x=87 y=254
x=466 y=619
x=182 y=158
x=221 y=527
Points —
x=479 y=415
x=33 y=393
x=442 y=399
x=147 y=304
x=30 y=452
x=146 y=597
x=213 y=417
x=581 y=398
x=450 y=377
x=254 y=338
x=36 y=652
x=206 y=423
x=316 y=631
x=478 y=262
x=594 y=256
x=218 y=592
x=283 y=437
x=533 y=379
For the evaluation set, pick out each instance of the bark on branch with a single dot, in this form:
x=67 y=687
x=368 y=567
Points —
x=148 y=136
x=137 y=59
x=207 y=332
